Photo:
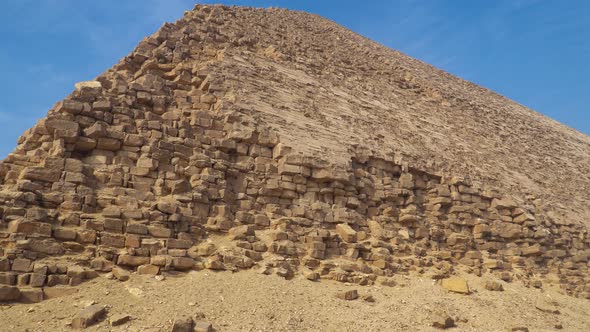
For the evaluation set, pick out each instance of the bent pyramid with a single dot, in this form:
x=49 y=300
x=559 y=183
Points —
x=241 y=137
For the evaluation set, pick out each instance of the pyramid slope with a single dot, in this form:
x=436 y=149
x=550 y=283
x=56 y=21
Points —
x=334 y=88
x=241 y=137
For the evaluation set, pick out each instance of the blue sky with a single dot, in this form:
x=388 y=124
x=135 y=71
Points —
x=535 y=52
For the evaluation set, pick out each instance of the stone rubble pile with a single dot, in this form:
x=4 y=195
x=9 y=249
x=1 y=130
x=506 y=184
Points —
x=151 y=168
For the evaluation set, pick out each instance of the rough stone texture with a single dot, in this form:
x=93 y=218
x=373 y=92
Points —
x=348 y=295
x=121 y=274
x=31 y=295
x=88 y=316
x=9 y=293
x=493 y=286
x=313 y=149
x=443 y=321
x=119 y=319
x=183 y=324
x=203 y=326
x=455 y=285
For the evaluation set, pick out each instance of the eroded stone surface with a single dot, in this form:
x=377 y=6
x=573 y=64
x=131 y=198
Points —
x=175 y=151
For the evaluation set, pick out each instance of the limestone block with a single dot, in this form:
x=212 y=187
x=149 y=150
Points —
x=101 y=106
x=178 y=244
x=86 y=236
x=508 y=230
x=70 y=106
x=203 y=326
x=133 y=140
x=121 y=274
x=89 y=316
x=96 y=131
x=57 y=279
x=280 y=150
x=112 y=240
x=493 y=286
x=9 y=293
x=37 y=280
x=148 y=269
x=30 y=228
x=348 y=295
x=133 y=261
x=8 y=278
x=31 y=295
x=525 y=217
x=113 y=225
x=456 y=285
x=241 y=232
x=68 y=130
x=346 y=233
x=4 y=264
x=101 y=264
x=22 y=265
x=442 y=321
x=505 y=203
x=136 y=228
x=146 y=162
x=108 y=144
x=85 y=144
x=406 y=181
x=88 y=89
x=183 y=324
x=160 y=232
x=183 y=263
x=35 y=173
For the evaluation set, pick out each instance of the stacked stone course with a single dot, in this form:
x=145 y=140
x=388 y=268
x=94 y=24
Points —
x=153 y=168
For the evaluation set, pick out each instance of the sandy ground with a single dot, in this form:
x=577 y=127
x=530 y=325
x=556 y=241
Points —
x=249 y=301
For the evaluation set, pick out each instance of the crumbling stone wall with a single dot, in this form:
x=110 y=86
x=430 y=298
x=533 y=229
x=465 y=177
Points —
x=153 y=168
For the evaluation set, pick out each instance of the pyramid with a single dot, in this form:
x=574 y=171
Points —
x=239 y=138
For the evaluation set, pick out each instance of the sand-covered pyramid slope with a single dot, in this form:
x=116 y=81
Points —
x=239 y=138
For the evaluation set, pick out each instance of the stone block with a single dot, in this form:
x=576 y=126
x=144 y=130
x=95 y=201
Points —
x=88 y=89
x=22 y=265
x=4 y=264
x=37 y=280
x=66 y=129
x=8 y=278
x=108 y=144
x=119 y=319
x=32 y=295
x=48 y=247
x=183 y=324
x=442 y=321
x=65 y=234
x=508 y=230
x=148 y=269
x=121 y=274
x=112 y=240
x=114 y=225
x=55 y=292
x=493 y=286
x=456 y=285
x=178 y=244
x=348 y=295
x=57 y=279
x=136 y=228
x=133 y=261
x=101 y=264
x=183 y=263
x=88 y=316
x=160 y=232
x=30 y=228
x=9 y=293
x=346 y=233
x=203 y=326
